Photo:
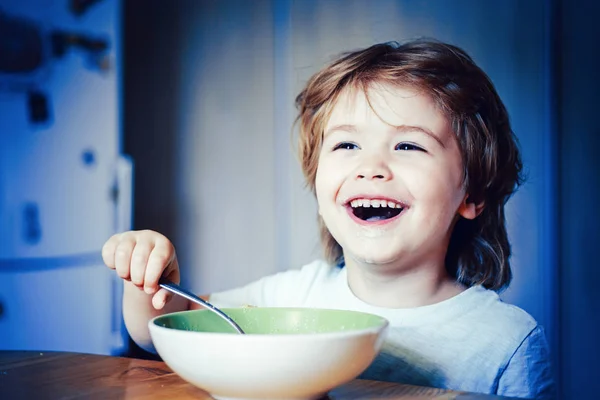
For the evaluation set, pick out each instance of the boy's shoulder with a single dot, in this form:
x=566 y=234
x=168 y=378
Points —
x=507 y=310
x=319 y=268
x=501 y=319
x=293 y=287
x=287 y=288
x=311 y=277
x=315 y=271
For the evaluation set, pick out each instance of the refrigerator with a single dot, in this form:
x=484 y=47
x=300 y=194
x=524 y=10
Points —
x=65 y=186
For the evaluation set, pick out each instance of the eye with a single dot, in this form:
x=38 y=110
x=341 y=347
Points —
x=345 y=146
x=408 y=147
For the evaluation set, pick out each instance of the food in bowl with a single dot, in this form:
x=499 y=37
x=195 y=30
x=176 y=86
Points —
x=286 y=353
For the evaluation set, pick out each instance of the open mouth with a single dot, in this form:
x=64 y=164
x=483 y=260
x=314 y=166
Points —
x=375 y=210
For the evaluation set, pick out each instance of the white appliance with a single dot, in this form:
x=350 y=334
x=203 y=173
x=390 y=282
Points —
x=64 y=186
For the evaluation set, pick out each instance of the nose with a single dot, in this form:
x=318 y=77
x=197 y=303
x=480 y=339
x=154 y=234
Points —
x=374 y=168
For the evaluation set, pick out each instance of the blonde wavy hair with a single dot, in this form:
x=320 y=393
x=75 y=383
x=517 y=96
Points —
x=479 y=249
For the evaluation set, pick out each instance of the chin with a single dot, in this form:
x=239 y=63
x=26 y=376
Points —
x=373 y=258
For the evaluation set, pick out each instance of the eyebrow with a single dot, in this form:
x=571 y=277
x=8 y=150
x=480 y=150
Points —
x=400 y=129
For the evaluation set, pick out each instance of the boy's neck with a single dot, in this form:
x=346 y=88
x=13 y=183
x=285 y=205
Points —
x=383 y=286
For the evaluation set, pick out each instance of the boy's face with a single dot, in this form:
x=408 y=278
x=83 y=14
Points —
x=389 y=192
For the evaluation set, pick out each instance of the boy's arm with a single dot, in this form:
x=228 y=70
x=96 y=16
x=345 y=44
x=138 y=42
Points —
x=529 y=373
x=138 y=310
x=140 y=258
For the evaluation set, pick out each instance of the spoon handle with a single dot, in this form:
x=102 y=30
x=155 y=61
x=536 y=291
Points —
x=170 y=286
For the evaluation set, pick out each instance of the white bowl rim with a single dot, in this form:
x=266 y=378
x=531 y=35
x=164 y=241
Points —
x=382 y=326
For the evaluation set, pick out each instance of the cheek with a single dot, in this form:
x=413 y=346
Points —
x=319 y=183
x=321 y=187
x=439 y=190
x=326 y=178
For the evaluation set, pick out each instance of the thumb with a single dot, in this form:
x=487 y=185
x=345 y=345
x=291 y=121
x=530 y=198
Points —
x=161 y=298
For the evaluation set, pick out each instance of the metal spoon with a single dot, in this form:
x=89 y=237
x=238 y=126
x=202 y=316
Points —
x=171 y=287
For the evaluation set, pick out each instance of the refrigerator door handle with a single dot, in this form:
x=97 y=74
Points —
x=123 y=197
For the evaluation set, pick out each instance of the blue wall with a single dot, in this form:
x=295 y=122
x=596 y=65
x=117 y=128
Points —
x=577 y=102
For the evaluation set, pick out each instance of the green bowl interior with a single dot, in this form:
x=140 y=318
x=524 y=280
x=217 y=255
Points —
x=271 y=320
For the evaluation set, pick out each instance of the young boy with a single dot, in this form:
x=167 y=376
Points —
x=411 y=156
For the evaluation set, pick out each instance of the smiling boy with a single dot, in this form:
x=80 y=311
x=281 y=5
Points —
x=391 y=146
x=410 y=153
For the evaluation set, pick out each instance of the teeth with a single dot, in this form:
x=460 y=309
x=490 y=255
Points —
x=373 y=203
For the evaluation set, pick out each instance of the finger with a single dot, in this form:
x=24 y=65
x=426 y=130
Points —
x=139 y=261
x=161 y=298
x=171 y=274
x=162 y=255
x=108 y=251
x=123 y=255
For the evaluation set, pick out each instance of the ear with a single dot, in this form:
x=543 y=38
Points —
x=470 y=210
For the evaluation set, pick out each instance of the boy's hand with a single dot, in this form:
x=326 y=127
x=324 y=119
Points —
x=143 y=257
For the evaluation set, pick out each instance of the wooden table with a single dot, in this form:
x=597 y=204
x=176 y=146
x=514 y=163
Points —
x=57 y=375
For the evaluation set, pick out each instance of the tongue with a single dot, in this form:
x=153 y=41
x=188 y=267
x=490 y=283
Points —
x=376 y=218
x=373 y=214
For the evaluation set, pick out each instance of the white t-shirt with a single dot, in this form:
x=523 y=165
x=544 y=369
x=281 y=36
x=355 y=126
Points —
x=473 y=342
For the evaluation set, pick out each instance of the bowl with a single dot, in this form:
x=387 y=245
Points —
x=286 y=353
